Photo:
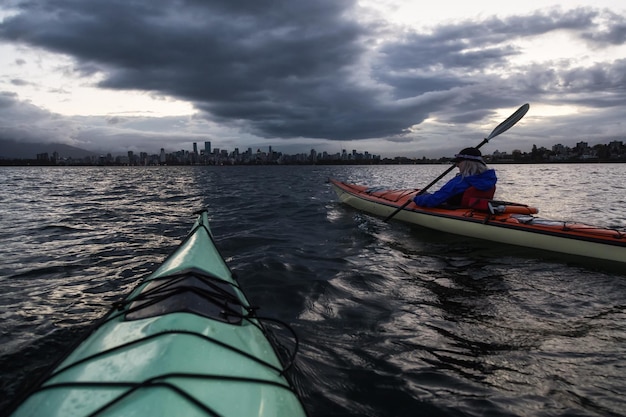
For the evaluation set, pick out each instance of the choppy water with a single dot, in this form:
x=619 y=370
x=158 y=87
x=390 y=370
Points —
x=393 y=320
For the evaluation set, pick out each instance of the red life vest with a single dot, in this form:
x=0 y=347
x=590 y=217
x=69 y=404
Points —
x=473 y=194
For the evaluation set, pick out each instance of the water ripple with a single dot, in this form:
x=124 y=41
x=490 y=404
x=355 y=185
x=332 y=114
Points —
x=393 y=320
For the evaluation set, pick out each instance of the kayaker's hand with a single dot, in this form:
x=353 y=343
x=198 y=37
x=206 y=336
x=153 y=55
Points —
x=419 y=199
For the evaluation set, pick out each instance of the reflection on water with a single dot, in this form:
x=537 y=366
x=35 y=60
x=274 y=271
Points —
x=393 y=320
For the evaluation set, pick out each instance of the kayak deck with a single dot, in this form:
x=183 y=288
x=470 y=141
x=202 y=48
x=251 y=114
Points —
x=186 y=341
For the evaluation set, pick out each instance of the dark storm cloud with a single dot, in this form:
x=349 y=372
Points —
x=455 y=57
x=601 y=85
x=613 y=33
x=474 y=45
x=285 y=68
x=23 y=121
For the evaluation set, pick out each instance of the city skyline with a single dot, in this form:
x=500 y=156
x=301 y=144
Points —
x=209 y=155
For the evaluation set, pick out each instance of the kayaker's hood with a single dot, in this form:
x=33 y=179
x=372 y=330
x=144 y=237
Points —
x=484 y=181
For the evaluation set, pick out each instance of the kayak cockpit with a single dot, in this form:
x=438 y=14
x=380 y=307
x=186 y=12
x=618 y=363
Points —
x=190 y=291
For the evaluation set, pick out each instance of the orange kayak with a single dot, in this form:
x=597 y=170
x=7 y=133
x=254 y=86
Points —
x=497 y=221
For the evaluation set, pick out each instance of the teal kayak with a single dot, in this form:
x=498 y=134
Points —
x=185 y=342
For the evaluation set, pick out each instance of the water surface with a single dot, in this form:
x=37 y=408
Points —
x=393 y=320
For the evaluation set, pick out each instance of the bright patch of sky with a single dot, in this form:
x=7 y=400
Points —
x=47 y=80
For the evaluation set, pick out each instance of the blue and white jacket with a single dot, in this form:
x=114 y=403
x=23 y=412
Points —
x=457 y=185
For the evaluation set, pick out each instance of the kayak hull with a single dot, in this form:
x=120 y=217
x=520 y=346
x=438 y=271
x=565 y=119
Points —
x=509 y=228
x=184 y=342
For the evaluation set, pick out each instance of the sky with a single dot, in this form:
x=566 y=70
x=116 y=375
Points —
x=389 y=77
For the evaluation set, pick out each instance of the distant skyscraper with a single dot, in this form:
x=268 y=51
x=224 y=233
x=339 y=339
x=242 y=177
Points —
x=207 y=148
x=195 y=148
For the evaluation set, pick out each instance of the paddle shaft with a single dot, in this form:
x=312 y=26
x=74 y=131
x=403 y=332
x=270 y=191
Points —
x=501 y=128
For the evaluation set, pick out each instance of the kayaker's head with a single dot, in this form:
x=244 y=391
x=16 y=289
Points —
x=469 y=154
x=470 y=162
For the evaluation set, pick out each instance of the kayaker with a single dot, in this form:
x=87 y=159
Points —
x=474 y=180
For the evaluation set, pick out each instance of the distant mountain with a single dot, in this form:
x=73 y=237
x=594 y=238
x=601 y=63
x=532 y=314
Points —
x=10 y=149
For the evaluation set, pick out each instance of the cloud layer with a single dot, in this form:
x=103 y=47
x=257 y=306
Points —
x=317 y=70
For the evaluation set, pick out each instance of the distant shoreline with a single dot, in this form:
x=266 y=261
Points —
x=38 y=163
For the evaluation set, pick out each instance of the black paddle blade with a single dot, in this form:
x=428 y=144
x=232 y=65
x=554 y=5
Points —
x=510 y=122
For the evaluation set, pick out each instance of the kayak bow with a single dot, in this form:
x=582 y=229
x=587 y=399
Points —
x=186 y=342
